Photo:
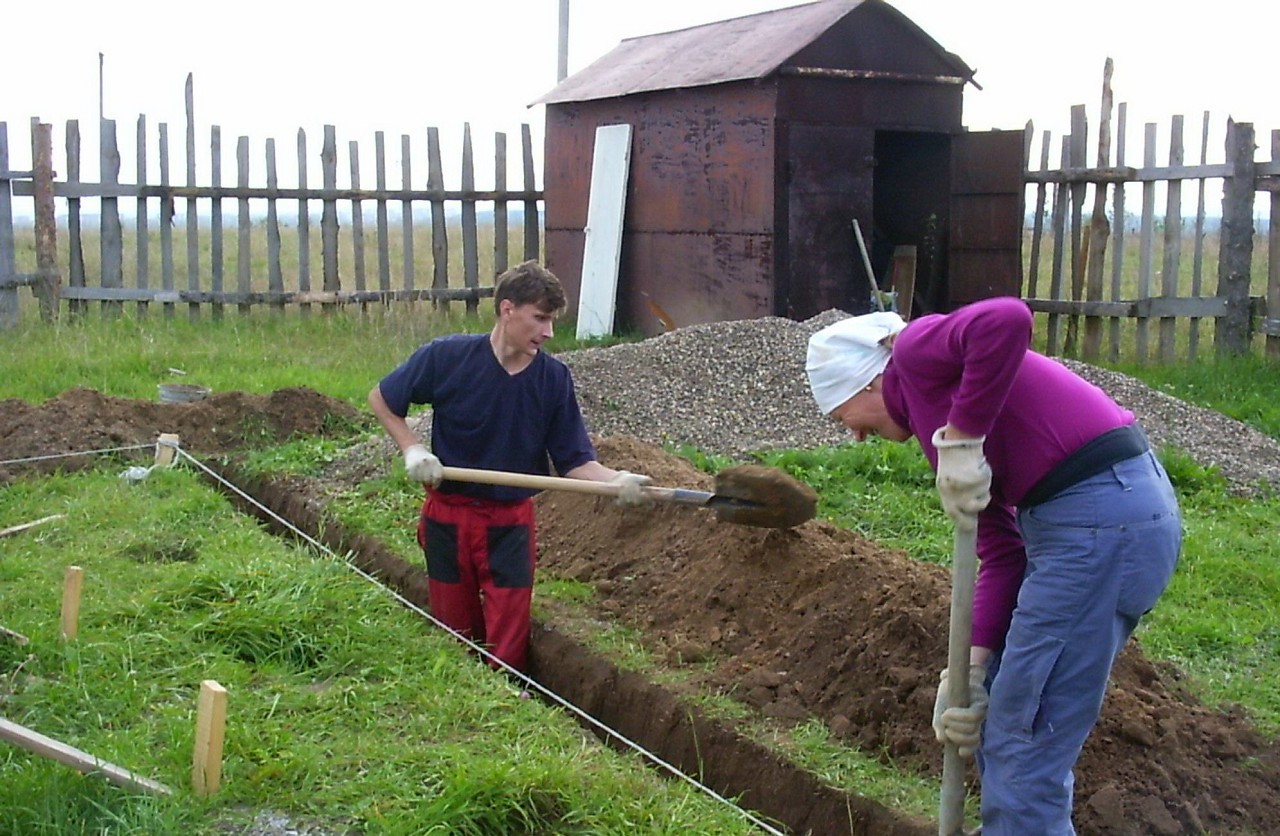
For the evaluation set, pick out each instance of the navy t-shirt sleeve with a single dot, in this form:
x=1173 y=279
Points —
x=412 y=382
x=567 y=442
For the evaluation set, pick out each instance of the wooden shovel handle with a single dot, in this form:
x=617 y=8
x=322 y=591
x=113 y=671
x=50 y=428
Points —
x=560 y=483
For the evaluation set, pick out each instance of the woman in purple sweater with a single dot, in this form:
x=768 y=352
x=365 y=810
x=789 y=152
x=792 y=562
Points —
x=1078 y=528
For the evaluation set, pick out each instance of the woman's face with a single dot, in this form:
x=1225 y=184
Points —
x=865 y=415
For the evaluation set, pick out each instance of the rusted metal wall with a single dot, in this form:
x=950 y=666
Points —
x=986 y=216
x=699 y=226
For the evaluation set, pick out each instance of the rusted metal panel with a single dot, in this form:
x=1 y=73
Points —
x=695 y=279
x=829 y=170
x=986 y=216
x=885 y=104
x=845 y=34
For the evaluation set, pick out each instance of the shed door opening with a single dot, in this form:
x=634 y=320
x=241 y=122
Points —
x=911 y=207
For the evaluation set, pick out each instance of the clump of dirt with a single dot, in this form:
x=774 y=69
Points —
x=83 y=419
x=817 y=621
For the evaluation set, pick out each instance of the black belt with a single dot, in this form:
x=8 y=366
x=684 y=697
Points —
x=1094 y=457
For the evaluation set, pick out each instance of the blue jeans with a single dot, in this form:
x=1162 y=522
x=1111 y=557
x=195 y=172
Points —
x=1099 y=555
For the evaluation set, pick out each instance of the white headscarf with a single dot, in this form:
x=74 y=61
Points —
x=845 y=357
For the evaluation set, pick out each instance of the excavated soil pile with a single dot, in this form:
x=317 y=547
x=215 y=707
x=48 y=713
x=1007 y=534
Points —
x=86 y=420
x=812 y=621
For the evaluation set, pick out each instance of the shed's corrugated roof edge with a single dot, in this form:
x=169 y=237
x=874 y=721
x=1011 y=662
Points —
x=756 y=46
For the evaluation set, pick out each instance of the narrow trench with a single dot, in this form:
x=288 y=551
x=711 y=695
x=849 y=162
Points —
x=790 y=797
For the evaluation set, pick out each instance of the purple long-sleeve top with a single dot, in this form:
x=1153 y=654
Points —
x=975 y=370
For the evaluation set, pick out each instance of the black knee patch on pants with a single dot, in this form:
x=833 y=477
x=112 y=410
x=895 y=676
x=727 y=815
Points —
x=510 y=563
x=440 y=542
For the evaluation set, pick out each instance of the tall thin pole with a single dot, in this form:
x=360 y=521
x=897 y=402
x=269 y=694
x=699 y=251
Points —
x=562 y=64
x=101 y=85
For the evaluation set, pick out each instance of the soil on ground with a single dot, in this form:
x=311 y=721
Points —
x=810 y=621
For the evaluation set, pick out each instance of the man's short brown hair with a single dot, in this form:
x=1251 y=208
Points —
x=529 y=283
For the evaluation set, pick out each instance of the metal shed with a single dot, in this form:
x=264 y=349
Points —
x=757 y=141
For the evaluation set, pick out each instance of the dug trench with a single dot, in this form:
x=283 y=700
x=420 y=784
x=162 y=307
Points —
x=811 y=622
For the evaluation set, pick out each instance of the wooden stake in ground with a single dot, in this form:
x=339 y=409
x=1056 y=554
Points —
x=71 y=587
x=211 y=718
x=33 y=741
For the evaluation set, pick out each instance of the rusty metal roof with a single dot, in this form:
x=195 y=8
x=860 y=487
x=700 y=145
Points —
x=739 y=49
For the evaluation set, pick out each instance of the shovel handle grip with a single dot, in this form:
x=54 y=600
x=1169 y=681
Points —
x=561 y=483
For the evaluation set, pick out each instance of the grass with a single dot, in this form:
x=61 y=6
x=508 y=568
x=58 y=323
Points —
x=346 y=708
x=343 y=706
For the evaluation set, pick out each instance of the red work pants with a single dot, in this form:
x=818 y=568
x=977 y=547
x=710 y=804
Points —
x=480 y=561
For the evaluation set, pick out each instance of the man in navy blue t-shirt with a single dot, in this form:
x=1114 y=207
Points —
x=499 y=403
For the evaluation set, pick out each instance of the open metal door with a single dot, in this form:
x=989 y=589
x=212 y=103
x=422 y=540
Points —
x=987 y=209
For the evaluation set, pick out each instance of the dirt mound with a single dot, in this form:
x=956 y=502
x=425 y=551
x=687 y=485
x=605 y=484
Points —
x=819 y=621
x=84 y=420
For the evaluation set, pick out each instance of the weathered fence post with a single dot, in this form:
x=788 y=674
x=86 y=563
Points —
x=1231 y=334
x=49 y=287
x=8 y=254
x=1272 y=324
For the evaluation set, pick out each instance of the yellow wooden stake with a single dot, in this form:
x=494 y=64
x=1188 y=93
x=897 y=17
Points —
x=166 y=450
x=72 y=583
x=211 y=719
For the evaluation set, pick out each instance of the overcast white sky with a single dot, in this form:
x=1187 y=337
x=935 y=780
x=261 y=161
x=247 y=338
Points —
x=267 y=68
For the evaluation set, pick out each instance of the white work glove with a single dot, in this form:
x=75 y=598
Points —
x=631 y=483
x=422 y=465
x=962 y=726
x=964 y=479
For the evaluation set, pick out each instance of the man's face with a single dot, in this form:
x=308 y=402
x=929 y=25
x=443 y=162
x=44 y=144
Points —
x=865 y=415
x=525 y=327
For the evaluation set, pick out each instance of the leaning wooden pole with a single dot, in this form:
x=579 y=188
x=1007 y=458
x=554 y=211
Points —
x=1232 y=330
x=49 y=287
x=70 y=756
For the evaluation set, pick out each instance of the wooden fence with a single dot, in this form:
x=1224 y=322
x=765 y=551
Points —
x=216 y=279
x=1077 y=272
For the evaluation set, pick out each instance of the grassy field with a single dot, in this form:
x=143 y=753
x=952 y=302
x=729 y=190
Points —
x=344 y=706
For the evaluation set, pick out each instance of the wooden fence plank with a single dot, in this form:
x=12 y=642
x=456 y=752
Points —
x=1197 y=259
x=439 y=227
x=193 y=213
x=1171 y=263
x=49 y=282
x=8 y=245
x=1231 y=333
x=243 y=225
x=166 y=219
x=275 y=269
x=329 y=210
x=470 y=246
x=1099 y=230
x=1272 y=323
x=384 y=246
x=130 y=294
x=304 y=223
x=501 y=257
x=216 y=256
x=1060 y=206
x=1118 y=233
x=531 y=223
x=141 y=223
x=1079 y=152
x=75 y=236
x=357 y=219
x=111 y=234
x=1146 y=259
x=1037 y=222
x=406 y=214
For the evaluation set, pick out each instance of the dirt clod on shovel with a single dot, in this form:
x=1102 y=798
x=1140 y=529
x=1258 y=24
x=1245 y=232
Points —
x=784 y=501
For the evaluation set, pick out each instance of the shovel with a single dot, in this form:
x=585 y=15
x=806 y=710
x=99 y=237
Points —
x=964 y=571
x=764 y=497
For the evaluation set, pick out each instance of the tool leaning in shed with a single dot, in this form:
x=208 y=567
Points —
x=764 y=497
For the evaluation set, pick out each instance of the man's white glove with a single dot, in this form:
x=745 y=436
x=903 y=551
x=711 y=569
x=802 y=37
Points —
x=964 y=479
x=962 y=726
x=422 y=465
x=631 y=484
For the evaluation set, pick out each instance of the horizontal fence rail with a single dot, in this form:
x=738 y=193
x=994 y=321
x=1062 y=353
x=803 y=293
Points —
x=1110 y=290
x=252 y=243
